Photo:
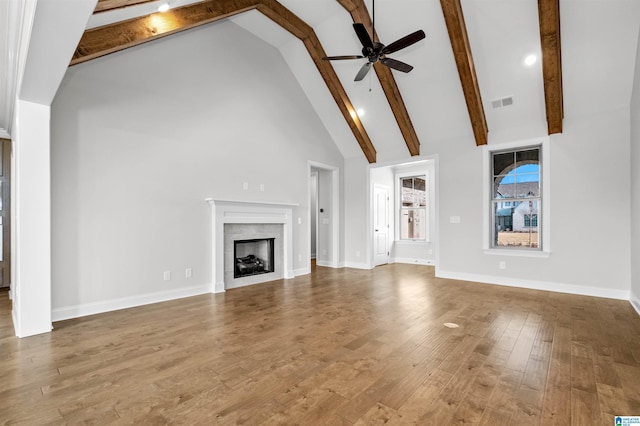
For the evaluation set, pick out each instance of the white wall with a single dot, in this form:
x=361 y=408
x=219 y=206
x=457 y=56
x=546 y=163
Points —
x=141 y=137
x=589 y=168
x=590 y=250
x=356 y=213
x=635 y=185
x=31 y=243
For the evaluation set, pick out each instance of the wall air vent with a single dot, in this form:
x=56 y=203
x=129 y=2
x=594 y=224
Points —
x=503 y=102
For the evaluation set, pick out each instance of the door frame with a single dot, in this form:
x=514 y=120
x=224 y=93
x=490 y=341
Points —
x=435 y=230
x=334 y=214
x=5 y=145
x=373 y=223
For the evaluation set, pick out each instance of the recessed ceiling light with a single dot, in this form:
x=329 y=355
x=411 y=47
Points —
x=530 y=60
x=163 y=7
x=360 y=112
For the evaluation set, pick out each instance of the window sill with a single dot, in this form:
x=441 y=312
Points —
x=517 y=253
x=412 y=242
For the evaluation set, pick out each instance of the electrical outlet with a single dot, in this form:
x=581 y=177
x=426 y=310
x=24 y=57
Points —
x=262 y=187
x=167 y=275
x=188 y=273
x=245 y=185
x=503 y=264
x=299 y=258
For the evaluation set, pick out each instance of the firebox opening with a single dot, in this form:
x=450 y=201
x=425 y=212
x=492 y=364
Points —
x=253 y=257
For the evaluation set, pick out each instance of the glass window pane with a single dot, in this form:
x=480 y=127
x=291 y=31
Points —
x=407 y=192
x=503 y=163
x=413 y=224
x=517 y=226
x=420 y=192
x=414 y=192
x=528 y=156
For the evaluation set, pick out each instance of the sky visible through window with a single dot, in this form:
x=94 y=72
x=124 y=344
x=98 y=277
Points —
x=525 y=173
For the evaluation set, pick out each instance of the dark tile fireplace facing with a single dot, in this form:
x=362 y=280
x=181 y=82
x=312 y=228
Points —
x=253 y=257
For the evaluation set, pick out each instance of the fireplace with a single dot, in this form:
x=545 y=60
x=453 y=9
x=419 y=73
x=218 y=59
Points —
x=253 y=257
x=242 y=220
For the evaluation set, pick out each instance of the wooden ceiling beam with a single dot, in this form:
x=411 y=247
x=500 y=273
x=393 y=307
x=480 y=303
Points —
x=121 y=35
x=549 y=16
x=359 y=13
x=106 y=5
x=457 y=29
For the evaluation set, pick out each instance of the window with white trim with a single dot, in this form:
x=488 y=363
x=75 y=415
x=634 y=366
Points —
x=516 y=198
x=413 y=215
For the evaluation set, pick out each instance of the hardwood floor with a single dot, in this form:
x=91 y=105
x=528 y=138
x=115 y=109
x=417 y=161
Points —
x=337 y=347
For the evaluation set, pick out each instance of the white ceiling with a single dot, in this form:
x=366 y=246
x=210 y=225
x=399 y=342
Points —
x=599 y=39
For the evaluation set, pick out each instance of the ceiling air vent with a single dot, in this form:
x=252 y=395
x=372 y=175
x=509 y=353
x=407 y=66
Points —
x=504 y=102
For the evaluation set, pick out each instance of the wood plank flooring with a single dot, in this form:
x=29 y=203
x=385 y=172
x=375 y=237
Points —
x=336 y=347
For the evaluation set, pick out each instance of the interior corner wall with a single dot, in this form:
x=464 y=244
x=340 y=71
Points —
x=635 y=185
x=30 y=227
x=356 y=212
x=141 y=137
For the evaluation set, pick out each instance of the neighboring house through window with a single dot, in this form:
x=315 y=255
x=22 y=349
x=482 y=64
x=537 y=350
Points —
x=516 y=198
x=413 y=208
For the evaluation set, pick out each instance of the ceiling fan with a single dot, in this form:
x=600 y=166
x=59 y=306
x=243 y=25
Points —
x=375 y=51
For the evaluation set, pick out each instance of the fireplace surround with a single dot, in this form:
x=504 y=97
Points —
x=246 y=220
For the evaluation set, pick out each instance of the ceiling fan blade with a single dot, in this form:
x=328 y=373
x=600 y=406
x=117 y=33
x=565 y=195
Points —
x=396 y=65
x=340 y=58
x=363 y=35
x=363 y=71
x=405 y=41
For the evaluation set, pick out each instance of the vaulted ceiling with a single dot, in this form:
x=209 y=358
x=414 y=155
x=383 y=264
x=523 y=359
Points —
x=471 y=58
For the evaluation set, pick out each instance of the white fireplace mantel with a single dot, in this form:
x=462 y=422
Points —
x=230 y=211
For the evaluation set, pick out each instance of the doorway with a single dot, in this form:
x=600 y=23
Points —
x=313 y=209
x=380 y=225
x=388 y=241
x=5 y=213
x=324 y=194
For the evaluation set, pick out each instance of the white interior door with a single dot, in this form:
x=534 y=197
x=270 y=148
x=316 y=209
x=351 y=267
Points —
x=380 y=225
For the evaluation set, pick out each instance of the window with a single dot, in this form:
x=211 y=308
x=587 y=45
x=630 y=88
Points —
x=413 y=209
x=516 y=198
x=531 y=220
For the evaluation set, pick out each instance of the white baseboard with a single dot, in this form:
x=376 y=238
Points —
x=536 y=285
x=413 y=261
x=76 y=311
x=302 y=271
x=325 y=263
x=357 y=265
x=635 y=301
